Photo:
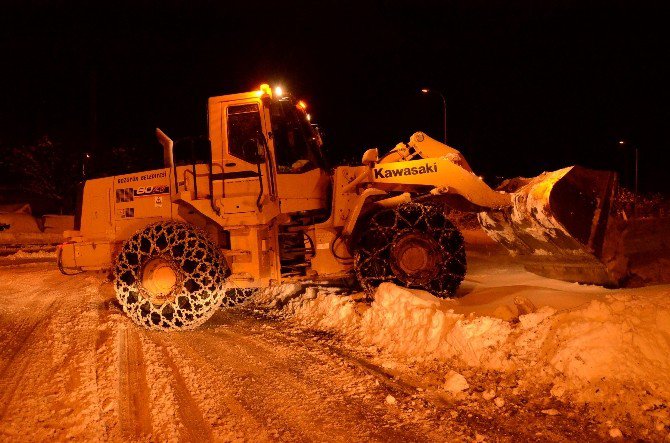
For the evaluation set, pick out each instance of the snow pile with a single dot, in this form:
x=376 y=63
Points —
x=23 y=255
x=276 y=296
x=613 y=349
x=408 y=323
x=620 y=337
x=19 y=222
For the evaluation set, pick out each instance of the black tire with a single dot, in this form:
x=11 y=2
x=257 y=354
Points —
x=413 y=245
x=170 y=276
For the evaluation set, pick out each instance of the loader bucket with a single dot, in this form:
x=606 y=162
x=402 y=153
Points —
x=557 y=224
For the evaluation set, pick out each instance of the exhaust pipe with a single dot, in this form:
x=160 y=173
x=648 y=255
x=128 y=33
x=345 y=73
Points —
x=168 y=144
x=168 y=156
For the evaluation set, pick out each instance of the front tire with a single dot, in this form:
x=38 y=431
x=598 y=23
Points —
x=170 y=276
x=413 y=245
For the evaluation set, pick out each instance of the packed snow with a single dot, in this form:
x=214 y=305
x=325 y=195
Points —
x=31 y=255
x=586 y=344
x=515 y=357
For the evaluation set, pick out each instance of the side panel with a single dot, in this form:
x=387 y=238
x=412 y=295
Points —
x=326 y=241
x=86 y=255
x=113 y=209
x=254 y=257
x=303 y=192
x=97 y=208
x=344 y=202
x=139 y=199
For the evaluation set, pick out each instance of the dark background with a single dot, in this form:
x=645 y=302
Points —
x=530 y=86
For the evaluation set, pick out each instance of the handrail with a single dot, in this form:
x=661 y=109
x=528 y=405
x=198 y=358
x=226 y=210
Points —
x=212 y=202
x=270 y=164
x=195 y=175
x=260 y=192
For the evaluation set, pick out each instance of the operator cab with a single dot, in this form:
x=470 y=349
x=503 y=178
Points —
x=264 y=146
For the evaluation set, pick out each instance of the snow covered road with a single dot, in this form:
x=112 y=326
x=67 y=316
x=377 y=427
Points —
x=73 y=366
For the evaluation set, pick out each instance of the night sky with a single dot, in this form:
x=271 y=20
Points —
x=530 y=86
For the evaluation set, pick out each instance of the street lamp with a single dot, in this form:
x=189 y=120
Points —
x=87 y=157
x=637 y=158
x=444 y=108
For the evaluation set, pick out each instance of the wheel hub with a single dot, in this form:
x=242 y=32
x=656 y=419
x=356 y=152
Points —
x=414 y=258
x=159 y=280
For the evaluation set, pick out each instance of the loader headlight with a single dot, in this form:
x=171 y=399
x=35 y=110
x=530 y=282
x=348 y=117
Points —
x=278 y=91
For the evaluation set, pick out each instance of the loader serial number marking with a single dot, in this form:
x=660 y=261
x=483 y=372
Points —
x=145 y=191
x=414 y=170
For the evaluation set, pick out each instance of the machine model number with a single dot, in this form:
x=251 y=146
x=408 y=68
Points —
x=144 y=191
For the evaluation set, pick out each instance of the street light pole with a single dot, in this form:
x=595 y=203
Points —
x=444 y=109
x=637 y=157
x=637 y=169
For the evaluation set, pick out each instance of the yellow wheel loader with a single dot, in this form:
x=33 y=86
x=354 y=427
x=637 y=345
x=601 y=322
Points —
x=262 y=208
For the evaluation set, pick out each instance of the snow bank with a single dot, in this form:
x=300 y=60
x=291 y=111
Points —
x=624 y=337
x=405 y=322
x=23 y=255
x=615 y=348
x=19 y=222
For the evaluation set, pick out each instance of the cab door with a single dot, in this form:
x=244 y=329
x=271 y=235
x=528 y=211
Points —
x=246 y=176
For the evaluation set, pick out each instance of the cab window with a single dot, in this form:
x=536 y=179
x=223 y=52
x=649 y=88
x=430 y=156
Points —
x=244 y=124
x=292 y=149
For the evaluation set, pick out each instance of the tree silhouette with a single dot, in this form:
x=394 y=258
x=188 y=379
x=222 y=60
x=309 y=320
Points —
x=45 y=169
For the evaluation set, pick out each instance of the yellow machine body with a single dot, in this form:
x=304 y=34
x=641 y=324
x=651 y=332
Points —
x=265 y=195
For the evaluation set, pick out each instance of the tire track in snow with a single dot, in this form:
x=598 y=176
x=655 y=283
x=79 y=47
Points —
x=267 y=393
x=21 y=335
x=375 y=381
x=218 y=404
x=309 y=399
x=15 y=370
x=134 y=383
x=133 y=391
x=39 y=305
x=47 y=385
x=195 y=427
x=106 y=355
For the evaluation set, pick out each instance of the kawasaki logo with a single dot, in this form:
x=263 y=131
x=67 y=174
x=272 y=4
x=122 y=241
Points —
x=414 y=170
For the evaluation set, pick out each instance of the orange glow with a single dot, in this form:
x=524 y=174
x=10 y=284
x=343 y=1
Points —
x=302 y=104
x=309 y=118
x=265 y=89
x=425 y=91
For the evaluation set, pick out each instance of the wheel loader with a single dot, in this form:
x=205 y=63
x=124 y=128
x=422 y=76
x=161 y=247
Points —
x=263 y=208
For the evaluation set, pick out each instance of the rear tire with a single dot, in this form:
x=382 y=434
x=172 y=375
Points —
x=413 y=245
x=170 y=276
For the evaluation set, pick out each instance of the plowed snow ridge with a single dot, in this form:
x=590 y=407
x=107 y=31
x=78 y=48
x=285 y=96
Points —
x=588 y=344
